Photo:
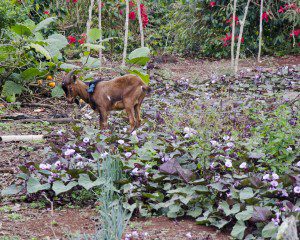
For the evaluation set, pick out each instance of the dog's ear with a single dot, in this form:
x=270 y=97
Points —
x=74 y=78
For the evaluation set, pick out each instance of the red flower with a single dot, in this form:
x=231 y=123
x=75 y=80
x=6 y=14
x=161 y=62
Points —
x=226 y=40
x=121 y=12
x=230 y=20
x=295 y=33
x=132 y=15
x=71 y=39
x=212 y=4
x=281 y=10
x=144 y=15
x=131 y=4
x=81 y=41
x=74 y=1
x=265 y=16
x=47 y=12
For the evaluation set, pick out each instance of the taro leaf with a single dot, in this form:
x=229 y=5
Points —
x=226 y=208
x=144 y=76
x=40 y=49
x=196 y=212
x=44 y=23
x=68 y=66
x=21 y=29
x=59 y=187
x=173 y=167
x=245 y=215
x=246 y=193
x=55 y=43
x=260 y=214
x=85 y=181
x=139 y=56
x=57 y=92
x=269 y=230
x=12 y=190
x=94 y=34
x=34 y=186
x=238 y=230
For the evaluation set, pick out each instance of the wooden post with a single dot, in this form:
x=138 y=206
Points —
x=126 y=33
x=141 y=23
x=233 y=33
x=89 y=22
x=260 y=30
x=100 y=28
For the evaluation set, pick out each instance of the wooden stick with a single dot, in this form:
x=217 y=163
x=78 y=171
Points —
x=17 y=138
x=50 y=120
x=6 y=170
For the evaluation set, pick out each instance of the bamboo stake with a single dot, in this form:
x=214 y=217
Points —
x=141 y=23
x=126 y=33
x=100 y=28
x=260 y=29
x=89 y=22
x=17 y=138
x=240 y=37
x=233 y=33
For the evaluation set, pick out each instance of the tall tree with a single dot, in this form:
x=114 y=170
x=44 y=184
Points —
x=89 y=22
x=140 y=23
x=126 y=33
x=260 y=29
x=240 y=37
x=233 y=32
x=100 y=29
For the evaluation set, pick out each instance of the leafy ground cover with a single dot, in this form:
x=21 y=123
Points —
x=219 y=149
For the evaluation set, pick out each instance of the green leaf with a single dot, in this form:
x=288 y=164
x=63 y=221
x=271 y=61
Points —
x=144 y=76
x=12 y=190
x=90 y=62
x=245 y=215
x=235 y=208
x=57 y=92
x=85 y=181
x=44 y=23
x=94 y=34
x=6 y=51
x=196 y=212
x=21 y=30
x=93 y=46
x=59 y=187
x=40 y=49
x=139 y=56
x=55 y=43
x=269 y=230
x=246 y=193
x=11 y=88
x=68 y=66
x=238 y=230
x=34 y=186
x=219 y=223
x=30 y=73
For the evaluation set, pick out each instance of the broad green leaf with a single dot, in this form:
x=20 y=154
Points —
x=6 y=51
x=269 y=230
x=94 y=34
x=21 y=30
x=11 y=88
x=57 y=92
x=55 y=43
x=90 y=62
x=40 y=49
x=139 y=56
x=34 y=186
x=85 y=181
x=219 y=223
x=245 y=215
x=12 y=190
x=144 y=76
x=93 y=46
x=59 y=187
x=30 y=73
x=238 y=230
x=68 y=66
x=194 y=212
x=246 y=193
x=44 y=23
x=235 y=208
x=29 y=23
x=174 y=211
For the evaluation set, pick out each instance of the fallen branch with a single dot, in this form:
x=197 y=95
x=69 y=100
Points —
x=34 y=120
x=17 y=138
x=6 y=170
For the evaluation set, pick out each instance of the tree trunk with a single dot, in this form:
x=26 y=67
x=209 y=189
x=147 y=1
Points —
x=100 y=28
x=126 y=33
x=89 y=22
x=260 y=29
x=233 y=33
x=240 y=37
x=140 y=23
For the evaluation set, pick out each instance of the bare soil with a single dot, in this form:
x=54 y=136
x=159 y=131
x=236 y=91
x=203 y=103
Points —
x=27 y=223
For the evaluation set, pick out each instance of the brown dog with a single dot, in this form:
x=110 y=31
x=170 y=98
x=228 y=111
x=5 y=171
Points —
x=126 y=92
